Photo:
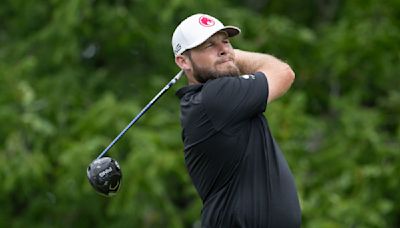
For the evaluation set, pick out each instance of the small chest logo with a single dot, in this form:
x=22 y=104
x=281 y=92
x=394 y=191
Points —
x=206 y=21
x=246 y=76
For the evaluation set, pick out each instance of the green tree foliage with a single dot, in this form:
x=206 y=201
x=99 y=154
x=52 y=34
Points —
x=74 y=73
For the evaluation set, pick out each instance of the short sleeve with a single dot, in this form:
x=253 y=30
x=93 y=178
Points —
x=233 y=99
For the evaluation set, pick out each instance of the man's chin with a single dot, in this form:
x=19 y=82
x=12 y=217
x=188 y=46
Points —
x=202 y=75
x=231 y=71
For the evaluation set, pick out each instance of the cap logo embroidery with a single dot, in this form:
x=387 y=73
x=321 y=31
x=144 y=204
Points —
x=177 y=48
x=206 y=22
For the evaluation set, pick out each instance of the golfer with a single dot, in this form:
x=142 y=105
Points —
x=232 y=158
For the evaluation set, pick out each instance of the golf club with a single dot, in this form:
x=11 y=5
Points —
x=104 y=173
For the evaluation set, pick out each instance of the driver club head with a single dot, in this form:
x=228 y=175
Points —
x=105 y=175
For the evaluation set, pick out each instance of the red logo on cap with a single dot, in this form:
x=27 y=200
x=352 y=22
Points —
x=206 y=21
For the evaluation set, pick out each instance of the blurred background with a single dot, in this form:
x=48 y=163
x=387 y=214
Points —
x=74 y=73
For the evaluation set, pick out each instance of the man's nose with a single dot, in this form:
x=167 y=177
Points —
x=223 y=49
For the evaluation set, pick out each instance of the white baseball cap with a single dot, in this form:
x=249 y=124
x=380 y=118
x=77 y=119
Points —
x=196 y=29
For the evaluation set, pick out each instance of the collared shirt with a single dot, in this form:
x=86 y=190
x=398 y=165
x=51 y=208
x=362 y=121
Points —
x=234 y=162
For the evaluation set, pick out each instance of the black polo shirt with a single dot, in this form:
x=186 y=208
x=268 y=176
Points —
x=234 y=162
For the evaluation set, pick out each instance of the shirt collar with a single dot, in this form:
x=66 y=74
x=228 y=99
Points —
x=188 y=89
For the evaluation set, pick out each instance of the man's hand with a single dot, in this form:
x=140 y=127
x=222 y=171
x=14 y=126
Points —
x=279 y=74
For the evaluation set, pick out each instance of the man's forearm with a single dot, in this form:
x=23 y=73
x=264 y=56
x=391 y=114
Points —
x=251 y=62
x=279 y=74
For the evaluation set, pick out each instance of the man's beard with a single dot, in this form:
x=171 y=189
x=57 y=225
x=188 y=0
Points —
x=203 y=74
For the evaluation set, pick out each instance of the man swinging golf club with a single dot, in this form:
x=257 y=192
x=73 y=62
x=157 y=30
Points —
x=232 y=158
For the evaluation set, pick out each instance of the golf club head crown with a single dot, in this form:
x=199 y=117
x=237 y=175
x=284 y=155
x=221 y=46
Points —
x=105 y=175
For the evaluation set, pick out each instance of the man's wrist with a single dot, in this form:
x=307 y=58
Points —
x=241 y=62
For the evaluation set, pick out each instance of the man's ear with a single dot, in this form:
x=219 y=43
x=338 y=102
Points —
x=183 y=62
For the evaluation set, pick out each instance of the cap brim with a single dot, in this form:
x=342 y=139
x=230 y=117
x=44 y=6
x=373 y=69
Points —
x=231 y=30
